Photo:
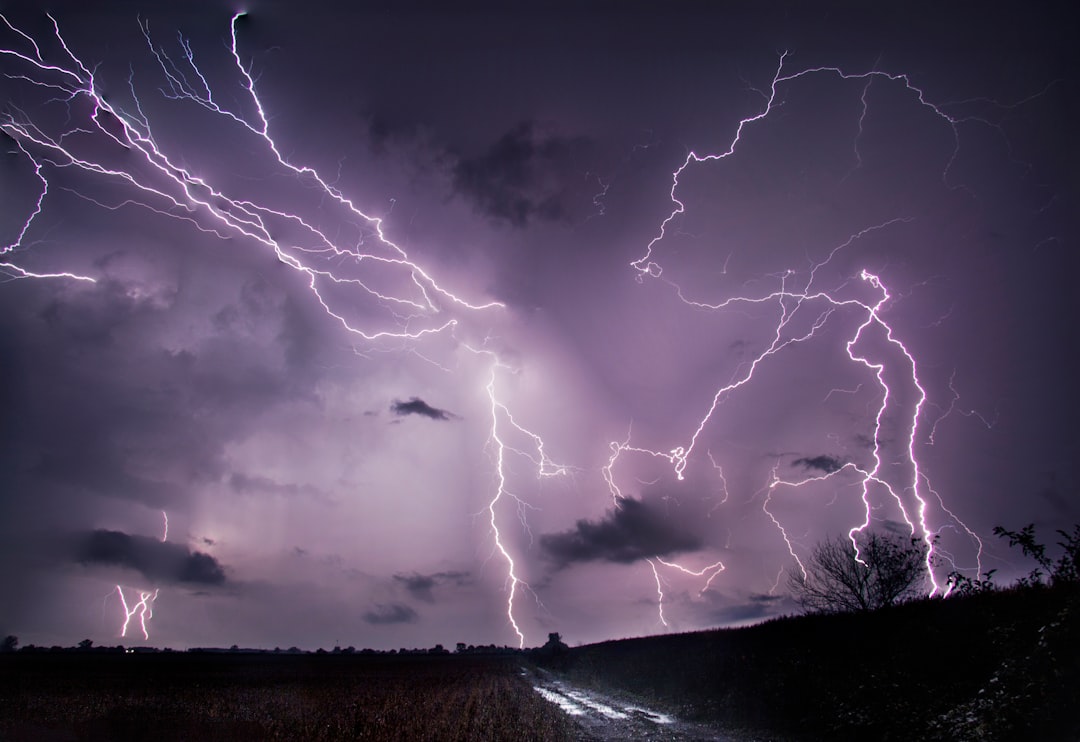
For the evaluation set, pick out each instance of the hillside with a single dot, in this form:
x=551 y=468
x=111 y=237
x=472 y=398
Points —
x=991 y=666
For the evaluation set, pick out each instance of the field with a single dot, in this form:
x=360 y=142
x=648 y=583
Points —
x=204 y=697
x=1001 y=665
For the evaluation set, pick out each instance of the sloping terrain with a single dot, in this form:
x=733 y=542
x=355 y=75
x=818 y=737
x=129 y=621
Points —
x=993 y=666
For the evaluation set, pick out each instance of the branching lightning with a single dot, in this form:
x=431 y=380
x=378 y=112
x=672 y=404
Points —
x=144 y=609
x=791 y=299
x=167 y=188
x=503 y=424
x=144 y=606
x=98 y=137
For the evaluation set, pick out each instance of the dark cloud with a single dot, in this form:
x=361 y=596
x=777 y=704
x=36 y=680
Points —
x=421 y=586
x=824 y=463
x=524 y=176
x=83 y=356
x=417 y=406
x=157 y=561
x=632 y=531
x=254 y=484
x=390 y=614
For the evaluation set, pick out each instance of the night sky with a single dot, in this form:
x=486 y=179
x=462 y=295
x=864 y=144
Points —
x=477 y=324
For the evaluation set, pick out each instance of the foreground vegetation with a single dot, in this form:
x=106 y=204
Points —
x=991 y=664
x=205 y=697
x=988 y=663
x=994 y=665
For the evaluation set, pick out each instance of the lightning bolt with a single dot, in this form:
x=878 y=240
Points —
x=421 y=306
x=403 y=302
x=792 y=298
x=169 y=189
x=144 y=608
x=713 y=570
x=659 y=593
x=502 y=425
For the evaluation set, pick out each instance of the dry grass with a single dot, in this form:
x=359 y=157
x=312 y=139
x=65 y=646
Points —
x=256 y=697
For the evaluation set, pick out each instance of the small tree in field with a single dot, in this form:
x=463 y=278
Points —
x=888 y=570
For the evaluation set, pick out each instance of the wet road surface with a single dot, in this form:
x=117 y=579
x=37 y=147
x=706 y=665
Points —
x=602 y=717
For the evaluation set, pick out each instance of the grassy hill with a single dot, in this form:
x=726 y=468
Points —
x=997 y=665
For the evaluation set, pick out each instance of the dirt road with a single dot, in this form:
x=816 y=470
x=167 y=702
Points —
x=601 y=717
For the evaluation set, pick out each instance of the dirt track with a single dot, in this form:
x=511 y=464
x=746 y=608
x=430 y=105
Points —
x=601 y=717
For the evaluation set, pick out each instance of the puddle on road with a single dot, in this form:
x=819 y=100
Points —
x=607 y=718
x=560 y=700
x=584 y=700
x=575 y=703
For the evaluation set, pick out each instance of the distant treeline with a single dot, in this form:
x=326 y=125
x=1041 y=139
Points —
x=86 y=646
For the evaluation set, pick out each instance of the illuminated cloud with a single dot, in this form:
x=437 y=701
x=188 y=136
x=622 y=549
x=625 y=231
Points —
x=632 y=531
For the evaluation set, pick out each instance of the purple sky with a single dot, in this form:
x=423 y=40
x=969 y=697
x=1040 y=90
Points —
x=910 y=200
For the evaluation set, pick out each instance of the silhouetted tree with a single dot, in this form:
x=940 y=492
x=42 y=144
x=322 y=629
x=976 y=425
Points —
x=10 y=643
x=887 y=570
x=86 y=644
x=555 y=642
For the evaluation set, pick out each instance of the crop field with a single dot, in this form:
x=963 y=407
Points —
x=181 y=696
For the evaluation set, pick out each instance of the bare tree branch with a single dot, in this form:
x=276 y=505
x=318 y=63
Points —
x=887 y=570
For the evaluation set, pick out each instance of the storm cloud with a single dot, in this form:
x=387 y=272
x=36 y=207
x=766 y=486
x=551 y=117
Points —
x=252 y=372
x=524 y=176
x=823 y=463
x=158 y=561
x=417 y=406
x=629 y=532
x=390 y=613
x=421 y=586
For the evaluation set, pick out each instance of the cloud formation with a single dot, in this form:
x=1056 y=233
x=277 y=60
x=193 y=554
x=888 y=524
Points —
x=632 y=531
x=157 y=561
x=823 y=463
x=417 y=406
x=390 y=613
x=522 y=177
x=421 y=586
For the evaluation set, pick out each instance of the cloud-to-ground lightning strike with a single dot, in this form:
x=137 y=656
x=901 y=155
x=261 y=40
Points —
x=659 y=593
x=790 y=299
x=143 y=608
x=169 y=189
x=396 y=300
x=503 y=423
